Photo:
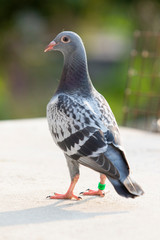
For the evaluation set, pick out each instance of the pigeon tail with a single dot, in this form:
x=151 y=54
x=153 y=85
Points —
x=128 y=188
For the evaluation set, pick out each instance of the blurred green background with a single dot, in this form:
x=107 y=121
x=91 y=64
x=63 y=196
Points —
x=28 y=76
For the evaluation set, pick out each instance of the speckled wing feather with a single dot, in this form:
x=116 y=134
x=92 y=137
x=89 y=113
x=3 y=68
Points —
x=112 y=135
x=79 y=130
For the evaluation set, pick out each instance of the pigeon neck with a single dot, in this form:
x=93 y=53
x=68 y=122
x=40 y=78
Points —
x=75 y=76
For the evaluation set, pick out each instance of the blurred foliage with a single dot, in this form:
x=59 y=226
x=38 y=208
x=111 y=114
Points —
x=28 y=77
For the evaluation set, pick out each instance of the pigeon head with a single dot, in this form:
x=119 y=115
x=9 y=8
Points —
x=75 y=76
x=65 y=42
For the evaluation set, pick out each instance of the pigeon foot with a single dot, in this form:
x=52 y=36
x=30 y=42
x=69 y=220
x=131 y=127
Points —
x=64 y=196
x=69 y=194
x=90 y=192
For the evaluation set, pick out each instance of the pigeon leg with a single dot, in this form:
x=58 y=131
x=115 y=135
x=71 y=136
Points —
x=69 y=194
x=98 y=192
x=74 y=173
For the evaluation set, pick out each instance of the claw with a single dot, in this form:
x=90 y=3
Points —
x=87 y=190
x=81 y=193
x=48 y=196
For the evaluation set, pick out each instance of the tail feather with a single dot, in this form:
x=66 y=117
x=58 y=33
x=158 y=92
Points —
x=128 y=188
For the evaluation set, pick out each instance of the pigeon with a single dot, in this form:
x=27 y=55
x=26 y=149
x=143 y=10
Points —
x=82 y=124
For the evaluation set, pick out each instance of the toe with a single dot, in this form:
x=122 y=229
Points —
x=90 y=192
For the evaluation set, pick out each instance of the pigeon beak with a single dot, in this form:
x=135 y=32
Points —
x=50 y=46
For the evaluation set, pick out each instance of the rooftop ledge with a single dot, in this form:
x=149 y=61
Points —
x=32 y=167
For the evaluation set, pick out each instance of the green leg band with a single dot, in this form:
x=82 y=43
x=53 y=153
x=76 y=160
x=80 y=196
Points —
x=101 y=186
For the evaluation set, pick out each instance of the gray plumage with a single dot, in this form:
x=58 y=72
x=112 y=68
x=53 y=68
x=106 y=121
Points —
x=82 y=123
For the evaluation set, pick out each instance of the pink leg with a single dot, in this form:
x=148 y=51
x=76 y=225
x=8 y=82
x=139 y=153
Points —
x=98 y=192
x=69 y=194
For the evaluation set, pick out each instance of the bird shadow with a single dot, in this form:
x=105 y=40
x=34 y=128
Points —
x=54 y=212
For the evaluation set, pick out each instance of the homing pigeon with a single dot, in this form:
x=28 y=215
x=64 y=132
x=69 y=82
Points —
x=83 y=125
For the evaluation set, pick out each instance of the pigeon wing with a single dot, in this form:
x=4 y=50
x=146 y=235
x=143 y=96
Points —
x=78 y=133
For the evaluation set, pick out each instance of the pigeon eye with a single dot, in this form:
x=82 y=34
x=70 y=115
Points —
x=65 y=39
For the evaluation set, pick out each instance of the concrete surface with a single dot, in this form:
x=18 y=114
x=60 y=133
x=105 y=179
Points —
x=32 y=167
